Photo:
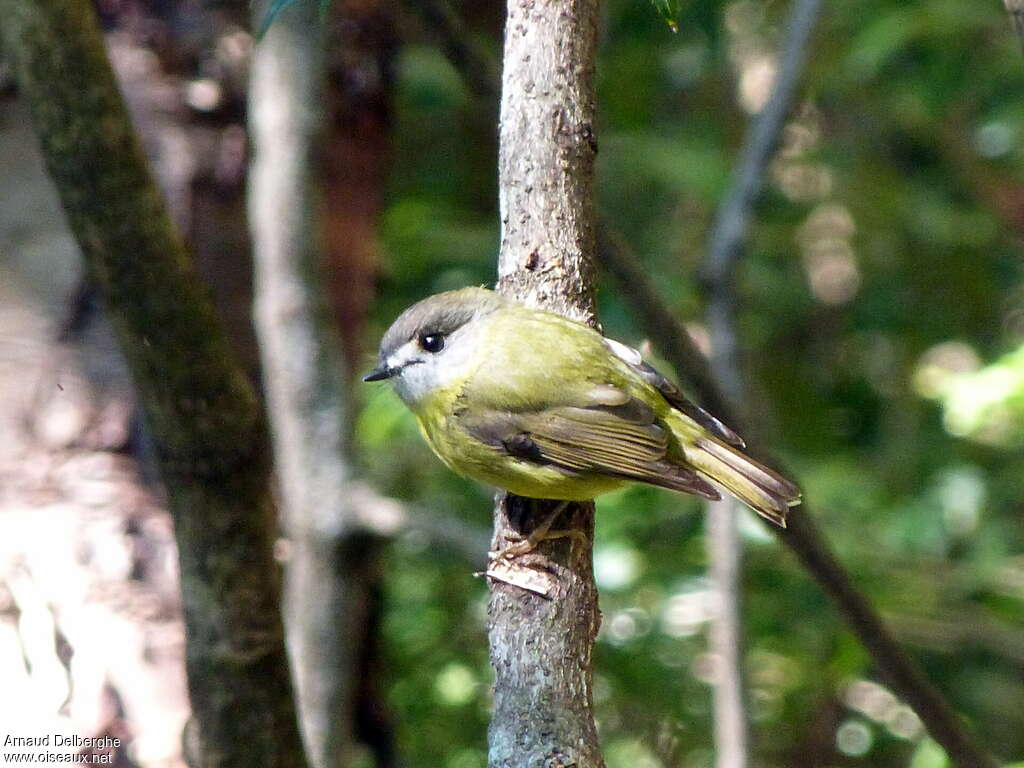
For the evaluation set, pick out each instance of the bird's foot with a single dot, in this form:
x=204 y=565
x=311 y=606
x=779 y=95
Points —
x=503 y=565
x=525 y=544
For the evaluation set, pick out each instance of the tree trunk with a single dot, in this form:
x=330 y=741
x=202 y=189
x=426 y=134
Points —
x=362 y=47
x=326 y=584
x=541 y=639
x=206 y=423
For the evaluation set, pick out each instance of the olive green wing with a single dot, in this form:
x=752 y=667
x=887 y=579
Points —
x=615 y=435
x=553 y=355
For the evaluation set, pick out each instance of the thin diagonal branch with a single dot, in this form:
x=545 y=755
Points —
x=477 y=67
x=805 y=540
x=729 y=233
x=726 y=246
x=615 y=256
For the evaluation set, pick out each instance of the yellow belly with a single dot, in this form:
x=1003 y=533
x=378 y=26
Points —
x=525 y=478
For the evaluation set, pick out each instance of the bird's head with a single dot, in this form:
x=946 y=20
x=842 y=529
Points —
x=434 y=342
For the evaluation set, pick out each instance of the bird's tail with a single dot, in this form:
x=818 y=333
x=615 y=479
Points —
x=763 y=490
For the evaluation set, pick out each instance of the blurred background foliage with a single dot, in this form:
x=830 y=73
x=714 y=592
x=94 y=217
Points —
x=882 y=324
x=881 y=320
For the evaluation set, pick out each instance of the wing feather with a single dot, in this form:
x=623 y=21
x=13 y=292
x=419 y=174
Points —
x=622 y=441
x=529 y=402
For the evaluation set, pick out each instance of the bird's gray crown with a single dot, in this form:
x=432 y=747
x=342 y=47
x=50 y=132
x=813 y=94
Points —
x=441 y=314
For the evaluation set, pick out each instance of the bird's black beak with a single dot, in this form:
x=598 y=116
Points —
x=379 y=374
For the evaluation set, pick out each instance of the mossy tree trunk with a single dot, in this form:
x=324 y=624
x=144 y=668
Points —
x=205 y=420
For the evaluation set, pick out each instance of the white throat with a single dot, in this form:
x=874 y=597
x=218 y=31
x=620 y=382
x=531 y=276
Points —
x=424 y=374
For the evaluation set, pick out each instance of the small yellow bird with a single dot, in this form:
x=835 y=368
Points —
x=545 y=407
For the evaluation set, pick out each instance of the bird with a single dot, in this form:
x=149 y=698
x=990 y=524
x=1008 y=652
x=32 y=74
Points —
x=548 y=408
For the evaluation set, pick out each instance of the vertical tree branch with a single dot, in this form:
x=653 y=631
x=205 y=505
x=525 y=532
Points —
x=546 y=156
x=728 y=235
x=304 y=378
x=726 y=636
x=206 y=423
x=541 y=646
x=726 y=245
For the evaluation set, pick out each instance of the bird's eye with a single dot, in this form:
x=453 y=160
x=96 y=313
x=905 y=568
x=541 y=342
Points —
x=432 y=342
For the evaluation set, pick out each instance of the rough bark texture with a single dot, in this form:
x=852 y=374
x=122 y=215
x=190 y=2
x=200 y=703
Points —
x=541 y=646
x=546 y=157
x=304 y=379
x=206 y=423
